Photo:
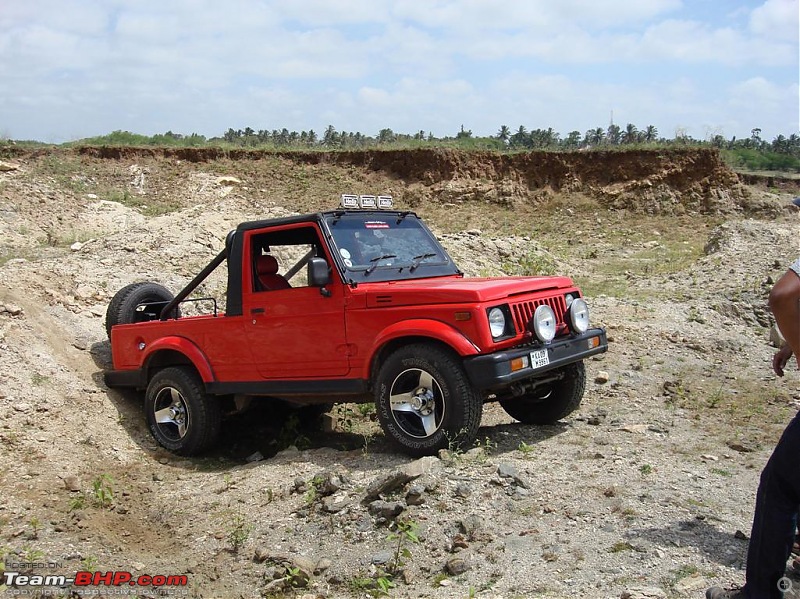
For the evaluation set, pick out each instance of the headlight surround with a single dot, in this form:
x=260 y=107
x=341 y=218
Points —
x=544 y=323
x=578 y=316
x=497 y=322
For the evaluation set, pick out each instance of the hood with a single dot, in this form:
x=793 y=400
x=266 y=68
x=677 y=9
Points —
x=456 y=290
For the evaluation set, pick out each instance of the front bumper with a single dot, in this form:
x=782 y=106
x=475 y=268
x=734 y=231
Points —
x=492 y=372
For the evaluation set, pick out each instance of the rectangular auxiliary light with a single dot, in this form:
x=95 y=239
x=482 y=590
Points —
x=367 y=202
x=349 y=201
x=385 y=202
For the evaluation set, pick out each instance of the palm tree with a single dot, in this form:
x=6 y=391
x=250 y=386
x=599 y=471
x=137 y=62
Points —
x=631 y=134
x=385 y=136
x=595 y=136
x=793 y=143
x=504 y=134
x=573 y=140
x=614 y=134
x=520 y=139
x=330 y=138
x=230 y=135
x=650 y=133
x=464 y=133
x=755 y=136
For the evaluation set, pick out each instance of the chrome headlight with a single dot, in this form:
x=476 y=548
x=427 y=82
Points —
x=544 y=323
x=497 y=322
x=578 y=316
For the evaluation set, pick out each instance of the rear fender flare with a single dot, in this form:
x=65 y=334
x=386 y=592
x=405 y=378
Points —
x=185 y=347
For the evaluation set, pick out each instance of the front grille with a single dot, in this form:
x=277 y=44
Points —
x=523 y=311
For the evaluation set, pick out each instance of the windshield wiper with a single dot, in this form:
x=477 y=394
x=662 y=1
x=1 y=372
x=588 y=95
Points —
x=416 y=260
x=374 y=262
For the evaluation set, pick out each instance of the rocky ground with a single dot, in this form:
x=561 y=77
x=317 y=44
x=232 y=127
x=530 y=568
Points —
x=646 y=492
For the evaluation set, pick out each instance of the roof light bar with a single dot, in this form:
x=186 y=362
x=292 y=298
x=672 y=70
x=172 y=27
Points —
x=367 y=202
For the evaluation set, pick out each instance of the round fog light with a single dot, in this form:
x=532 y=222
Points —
x=578 y=316
x=544 y=323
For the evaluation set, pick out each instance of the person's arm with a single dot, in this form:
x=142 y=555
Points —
x=784 y=301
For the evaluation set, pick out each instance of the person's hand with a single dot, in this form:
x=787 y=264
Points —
x=780 y=359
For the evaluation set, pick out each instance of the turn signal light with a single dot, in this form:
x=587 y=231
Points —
x=519 y=363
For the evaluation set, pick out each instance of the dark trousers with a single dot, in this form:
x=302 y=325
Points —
x=775 y=517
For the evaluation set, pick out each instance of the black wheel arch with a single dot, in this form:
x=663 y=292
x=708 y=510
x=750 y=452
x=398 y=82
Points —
x=165 y=358
x=391 y=346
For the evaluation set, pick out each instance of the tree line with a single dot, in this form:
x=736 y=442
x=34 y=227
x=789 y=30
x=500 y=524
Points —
x=782 y=153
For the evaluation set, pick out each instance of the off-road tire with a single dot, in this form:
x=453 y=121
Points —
x=122 y=309
x=455 y=406
x=551 y=403
x=179 y=388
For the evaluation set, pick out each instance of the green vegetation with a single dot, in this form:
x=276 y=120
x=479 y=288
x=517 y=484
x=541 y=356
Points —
x=751 y=153
x=312 y=494
x=526 y=450
x=758 y=159
x=36 y=526
x=103 y=491
x=404 y=535
x=529 y=264
x=126 y=138
x=238 y=531
x=89 y=563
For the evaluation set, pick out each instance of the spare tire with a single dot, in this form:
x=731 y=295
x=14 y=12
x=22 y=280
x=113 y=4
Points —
x=122 y=309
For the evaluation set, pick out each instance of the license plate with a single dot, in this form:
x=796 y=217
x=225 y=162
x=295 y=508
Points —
x=539 y=358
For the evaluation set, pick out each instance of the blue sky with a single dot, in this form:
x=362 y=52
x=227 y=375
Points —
x=77 y=68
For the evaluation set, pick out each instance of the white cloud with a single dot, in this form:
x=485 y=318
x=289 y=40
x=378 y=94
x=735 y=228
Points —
x=371 y=97
x=777 y=19
x=694 y=42
x=762 y=96
x=92 y=66
x=327 y=13
x=532 y=15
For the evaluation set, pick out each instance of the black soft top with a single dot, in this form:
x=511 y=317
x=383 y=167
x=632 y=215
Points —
x=315 y=217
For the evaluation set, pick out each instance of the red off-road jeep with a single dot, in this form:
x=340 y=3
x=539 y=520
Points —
x=352 y=305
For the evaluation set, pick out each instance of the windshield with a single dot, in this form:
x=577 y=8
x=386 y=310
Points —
x=387 y=246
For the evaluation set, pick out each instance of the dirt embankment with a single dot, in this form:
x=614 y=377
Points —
x=538 y=169
x=674 y=181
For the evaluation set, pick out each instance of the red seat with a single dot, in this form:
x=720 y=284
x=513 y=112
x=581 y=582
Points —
x=267 y=269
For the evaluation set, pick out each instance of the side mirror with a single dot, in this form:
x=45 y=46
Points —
x=319 y=274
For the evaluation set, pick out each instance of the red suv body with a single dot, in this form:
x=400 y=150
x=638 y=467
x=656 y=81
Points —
x=353 y=306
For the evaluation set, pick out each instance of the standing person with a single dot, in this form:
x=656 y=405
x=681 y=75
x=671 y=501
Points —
x=778 y=496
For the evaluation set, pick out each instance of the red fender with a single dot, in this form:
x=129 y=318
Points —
x=188 y=349
x=420 y=327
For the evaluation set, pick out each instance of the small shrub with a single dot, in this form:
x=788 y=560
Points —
x=103 y=491
x=238 y=532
